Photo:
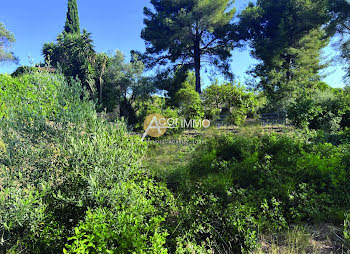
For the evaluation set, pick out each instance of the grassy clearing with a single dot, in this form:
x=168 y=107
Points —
x=162 y=158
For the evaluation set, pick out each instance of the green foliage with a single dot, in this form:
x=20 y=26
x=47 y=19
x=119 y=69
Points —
x=71 y=179
x=185 y=246
x=125 y=86
x=181 y=33
x=24 y=70
x=289 y=50
x=235 y=100
x=237 y=187
x=37 y=106
x=189 y=100
x=41 y=96
x=345 y=96
x=171 y=84
x=6 y=41
x=156 y=104
x=320 y=109
x=125 y=227
x=74 y=55
x=72 y=25
x=208 y=223
x=339 y=28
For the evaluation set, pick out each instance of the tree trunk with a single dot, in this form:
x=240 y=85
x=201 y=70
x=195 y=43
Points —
x=104 y=64
x=197 y=65
x=100 y=92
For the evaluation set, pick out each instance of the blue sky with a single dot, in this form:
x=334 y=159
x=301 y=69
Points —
x=114 y=24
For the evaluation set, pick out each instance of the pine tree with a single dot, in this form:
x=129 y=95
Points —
x=187 y=33
x=72 y=22
x=287 y=37
x=339 y=27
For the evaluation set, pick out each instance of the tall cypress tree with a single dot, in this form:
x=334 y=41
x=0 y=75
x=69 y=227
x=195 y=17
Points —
x=72 y=22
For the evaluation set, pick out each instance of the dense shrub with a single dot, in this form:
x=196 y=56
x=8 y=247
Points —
x=131 y=224
x=325 y=109
x=157 y=105
x=24 y=70
x=190 y=103
x=229 y=99
x=245 y=185
x=70 y=180
x=222 y=226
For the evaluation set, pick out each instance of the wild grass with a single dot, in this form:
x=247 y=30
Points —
x=319 y=239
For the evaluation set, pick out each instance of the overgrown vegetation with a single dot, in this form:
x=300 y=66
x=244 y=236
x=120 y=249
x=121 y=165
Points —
x=235 y=188
x=75 y=177
x=69 y=179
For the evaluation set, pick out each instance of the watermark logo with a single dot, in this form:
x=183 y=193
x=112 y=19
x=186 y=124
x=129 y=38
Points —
x=155 y=125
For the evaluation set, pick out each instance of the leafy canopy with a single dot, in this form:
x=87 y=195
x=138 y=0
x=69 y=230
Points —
x=188 y=33
x=340 y=26
x=6 y=41
x=75 y=55
x=125 y=85
x=287 y=38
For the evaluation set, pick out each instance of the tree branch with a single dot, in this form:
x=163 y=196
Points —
x=208 y=44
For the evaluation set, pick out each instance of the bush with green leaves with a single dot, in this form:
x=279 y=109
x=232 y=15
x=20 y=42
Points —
x=24 y=70
x=69 y=179
x=231 y=100
x=237 y=187
x=132 y=222
x=325 y=109
x=157 y=105
x=190 y=102
x=214 y=223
